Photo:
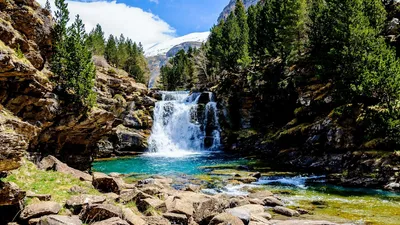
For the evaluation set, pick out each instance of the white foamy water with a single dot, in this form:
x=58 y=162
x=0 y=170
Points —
x=177 y=131
x=298 y=181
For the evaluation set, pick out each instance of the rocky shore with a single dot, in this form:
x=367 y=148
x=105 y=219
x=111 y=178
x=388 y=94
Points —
x=108 y=199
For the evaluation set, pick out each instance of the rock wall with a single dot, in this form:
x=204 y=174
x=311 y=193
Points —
x=35 y=117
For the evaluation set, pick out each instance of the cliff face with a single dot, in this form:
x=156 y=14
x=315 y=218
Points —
x=33 y=116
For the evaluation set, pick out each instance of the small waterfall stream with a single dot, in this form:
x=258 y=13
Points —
x=182 y=125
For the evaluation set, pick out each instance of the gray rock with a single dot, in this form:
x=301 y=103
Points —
x=271 y=201
x=52 y=163
x=180 y=206
x=226 y=218
x=112 y=221
x=105 y=183
x=265 y=215
x=156 y=220
x=40 y=209
x=132 y=218
x=60 y=220
x=259 y=219
x=151 y=203
x=242 y=214
x=76 y=202
x=100 y=212
x=261 y=194
x=285 y=211
x=176 y=218
x=77 y=189
x=41 y=197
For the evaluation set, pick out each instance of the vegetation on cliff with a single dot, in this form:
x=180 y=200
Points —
x=72 y=61
x=295 y=43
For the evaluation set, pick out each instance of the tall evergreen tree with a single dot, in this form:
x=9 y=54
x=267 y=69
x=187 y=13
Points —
x=80 y=73
x=253 y=22
x=243 y=36
x=95 y=41
x=281 y=25
x=110 y=52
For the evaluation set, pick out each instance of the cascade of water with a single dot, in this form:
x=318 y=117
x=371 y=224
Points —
x=177 y=130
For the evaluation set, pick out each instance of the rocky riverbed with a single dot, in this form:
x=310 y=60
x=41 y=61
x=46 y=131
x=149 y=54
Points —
x=53 y=193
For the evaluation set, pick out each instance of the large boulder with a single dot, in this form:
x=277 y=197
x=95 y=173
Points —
x=52 y=163
x=271 y=201
x=40 y=209
x=246 y=212
x=226 y=219
x=11 y=198
x=10 y=194
x=60 y=220
x=105 y=183
x=175 y=205
x=100 y=212
x=242 y=214
x=205 y=207
x=151 y=203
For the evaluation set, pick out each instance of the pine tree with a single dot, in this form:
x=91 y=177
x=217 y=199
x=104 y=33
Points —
x=243 y=37
x=95 y=41
x=230 y=43
x=58 y=60
x=122 y=51
x=280 y=28
x=110 y=52
x=253 y=22
x=48 y=6
x=215 y=51
x=80 y=73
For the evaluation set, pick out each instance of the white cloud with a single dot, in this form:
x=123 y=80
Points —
x=116 y=18
x=155 y=1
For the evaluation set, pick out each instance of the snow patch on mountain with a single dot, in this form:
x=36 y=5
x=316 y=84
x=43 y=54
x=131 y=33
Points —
x=163 y=47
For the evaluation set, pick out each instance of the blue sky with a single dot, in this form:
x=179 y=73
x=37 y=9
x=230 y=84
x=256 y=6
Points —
x=186 y=16
x=146 y=21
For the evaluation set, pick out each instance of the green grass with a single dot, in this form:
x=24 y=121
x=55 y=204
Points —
x=29 y=178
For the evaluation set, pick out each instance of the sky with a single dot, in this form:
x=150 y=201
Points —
x=147 y=21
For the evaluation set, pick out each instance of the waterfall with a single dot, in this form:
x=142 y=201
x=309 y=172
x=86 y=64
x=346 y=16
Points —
x=184 y=126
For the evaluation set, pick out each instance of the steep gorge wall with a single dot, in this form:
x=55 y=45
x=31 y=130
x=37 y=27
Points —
x=35 y=117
